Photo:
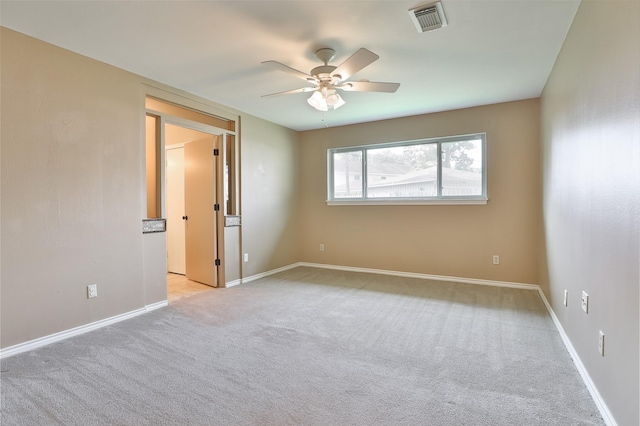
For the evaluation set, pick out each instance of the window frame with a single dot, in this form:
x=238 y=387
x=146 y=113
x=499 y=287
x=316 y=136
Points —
x=438 y=199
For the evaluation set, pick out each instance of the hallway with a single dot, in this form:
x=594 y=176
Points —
x=178 y=286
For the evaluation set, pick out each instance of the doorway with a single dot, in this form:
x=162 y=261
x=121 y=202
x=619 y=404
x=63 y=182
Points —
x=190 y=186
x=166 y=112
x=178 y=286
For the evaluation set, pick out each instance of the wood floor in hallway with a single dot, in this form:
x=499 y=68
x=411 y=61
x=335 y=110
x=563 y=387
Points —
x=178 y=286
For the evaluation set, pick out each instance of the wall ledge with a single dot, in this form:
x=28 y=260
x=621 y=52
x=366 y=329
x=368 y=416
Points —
x=56 y=337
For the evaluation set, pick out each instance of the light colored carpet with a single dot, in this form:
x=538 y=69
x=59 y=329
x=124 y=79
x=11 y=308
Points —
x=311 y=347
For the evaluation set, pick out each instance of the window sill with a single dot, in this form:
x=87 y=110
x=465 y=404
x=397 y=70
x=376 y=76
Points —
x=438 y=202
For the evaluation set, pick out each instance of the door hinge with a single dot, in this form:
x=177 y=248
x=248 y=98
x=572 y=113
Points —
x=216 y=151
x=217 y=262
x=216 y=207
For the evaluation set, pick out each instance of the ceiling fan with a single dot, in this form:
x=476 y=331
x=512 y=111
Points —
x=328 y=79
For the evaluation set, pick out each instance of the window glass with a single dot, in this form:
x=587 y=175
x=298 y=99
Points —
x=402 y=171
x=347 y=168
x=462 y=168
x=450 y=168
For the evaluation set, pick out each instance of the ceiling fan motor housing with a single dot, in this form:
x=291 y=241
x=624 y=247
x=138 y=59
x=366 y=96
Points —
x=323 y=72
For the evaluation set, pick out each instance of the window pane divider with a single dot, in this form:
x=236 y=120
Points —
x=439 y=170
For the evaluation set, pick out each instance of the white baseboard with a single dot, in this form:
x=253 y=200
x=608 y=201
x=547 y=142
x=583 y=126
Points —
x=232 y=283
x=271 y=272
x=155 y=306
x=424 y=276
x=56 y=337
x=586 y=378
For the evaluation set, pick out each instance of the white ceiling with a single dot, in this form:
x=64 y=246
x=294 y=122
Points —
x=491 y=51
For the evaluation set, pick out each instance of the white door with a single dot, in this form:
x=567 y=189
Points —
x=176 y=248
x=200 y=198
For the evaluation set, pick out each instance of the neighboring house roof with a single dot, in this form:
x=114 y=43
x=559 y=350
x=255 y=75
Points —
x=427 y=175
x=386 y=169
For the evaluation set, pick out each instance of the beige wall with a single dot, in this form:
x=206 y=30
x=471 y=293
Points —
x=154 y=253
x=455 y=240
x=73 y=178
x=232 y=253
x=591 y=186
x=74 y=192
x=269 y=196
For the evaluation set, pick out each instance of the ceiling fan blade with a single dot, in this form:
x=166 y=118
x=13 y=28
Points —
x=355 y=63
x=369 y=86
x=289 y=92
x=292 y=71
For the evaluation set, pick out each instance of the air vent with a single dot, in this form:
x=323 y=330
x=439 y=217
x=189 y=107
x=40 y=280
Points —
x=428 y=17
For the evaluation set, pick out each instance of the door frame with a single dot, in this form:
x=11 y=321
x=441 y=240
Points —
x=163 y=119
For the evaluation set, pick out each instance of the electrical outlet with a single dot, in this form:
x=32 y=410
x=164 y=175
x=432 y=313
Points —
x=321 y=247
x=585 y=302
x=601 y=342
x=496 y=259
x=92 y=291
x=246 y=257
x=566 y=297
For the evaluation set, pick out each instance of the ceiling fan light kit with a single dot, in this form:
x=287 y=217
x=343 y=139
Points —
x=328 y=79
x=333 y=99
x=318 y=102
x=325 y=99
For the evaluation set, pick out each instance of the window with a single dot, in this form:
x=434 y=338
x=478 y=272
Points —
x=444 y=171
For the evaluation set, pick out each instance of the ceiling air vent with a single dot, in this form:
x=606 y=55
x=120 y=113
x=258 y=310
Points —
x=428 y=17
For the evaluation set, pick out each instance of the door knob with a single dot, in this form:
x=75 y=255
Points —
x=185 y=217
